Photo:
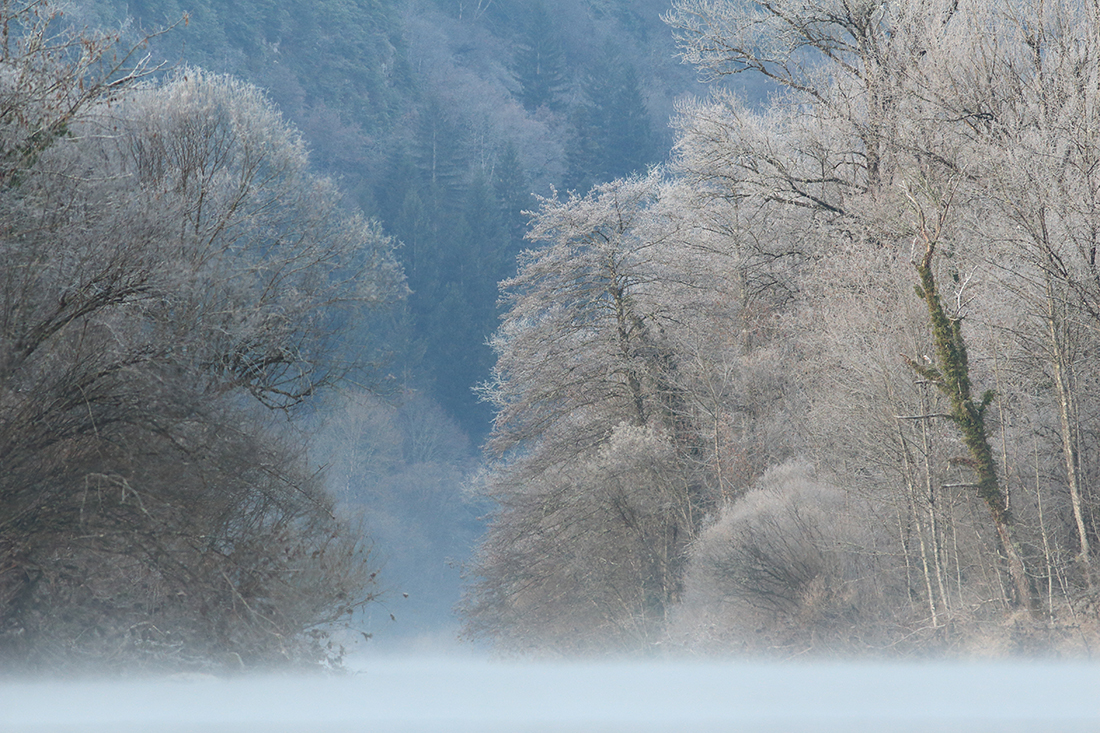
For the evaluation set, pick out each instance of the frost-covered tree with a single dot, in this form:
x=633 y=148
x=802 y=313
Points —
x=609 y=443
x=582 y=362
x=856 y=131
x=792 y=565
x=1028 y=118
x=171 y=265
x=890 y=270
x=944 y=145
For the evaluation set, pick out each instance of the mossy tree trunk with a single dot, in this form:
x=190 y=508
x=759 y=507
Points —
x=950 y=372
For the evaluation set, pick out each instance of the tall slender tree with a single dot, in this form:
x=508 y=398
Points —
x=539 y=63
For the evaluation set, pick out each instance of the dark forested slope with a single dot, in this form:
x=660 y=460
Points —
x=441 y=118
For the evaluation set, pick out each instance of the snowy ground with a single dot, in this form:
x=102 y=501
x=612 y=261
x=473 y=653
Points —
x=416 y=695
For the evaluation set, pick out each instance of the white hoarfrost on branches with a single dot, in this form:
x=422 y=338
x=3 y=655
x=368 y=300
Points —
x=677 y=335
x=170 y=264
x=270 y=258
x=608 y=441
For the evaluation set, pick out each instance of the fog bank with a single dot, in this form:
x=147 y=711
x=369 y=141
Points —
x=427 y=695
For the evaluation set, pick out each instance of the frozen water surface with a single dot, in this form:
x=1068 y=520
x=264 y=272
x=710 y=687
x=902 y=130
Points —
x=458 y=695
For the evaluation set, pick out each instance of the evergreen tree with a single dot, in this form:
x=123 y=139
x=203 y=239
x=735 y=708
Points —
x=462 y=313
x=612 y=135
x=539 y=63
x=630 y=143
x=513 y=194
x=413 y=226
x=440 y=161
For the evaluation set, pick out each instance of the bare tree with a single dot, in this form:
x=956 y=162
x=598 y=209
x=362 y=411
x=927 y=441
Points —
x=597 y=449
x=1031 y=133
x=165 y=257
x=943 y=145
x=858 y=128
x=794 y=567
x=51 y=74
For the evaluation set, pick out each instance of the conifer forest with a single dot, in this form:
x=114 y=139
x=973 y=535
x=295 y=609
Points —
x=562 y=327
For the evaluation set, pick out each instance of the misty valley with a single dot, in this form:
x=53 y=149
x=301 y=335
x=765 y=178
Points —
x=654 y=349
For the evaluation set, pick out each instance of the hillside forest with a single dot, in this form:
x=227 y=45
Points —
x=710 y=326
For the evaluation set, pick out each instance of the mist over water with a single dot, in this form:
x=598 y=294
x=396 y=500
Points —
x=429 y=695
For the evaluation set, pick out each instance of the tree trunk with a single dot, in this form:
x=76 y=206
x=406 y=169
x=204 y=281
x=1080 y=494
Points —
x=951 y=373
x=1066 y=410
